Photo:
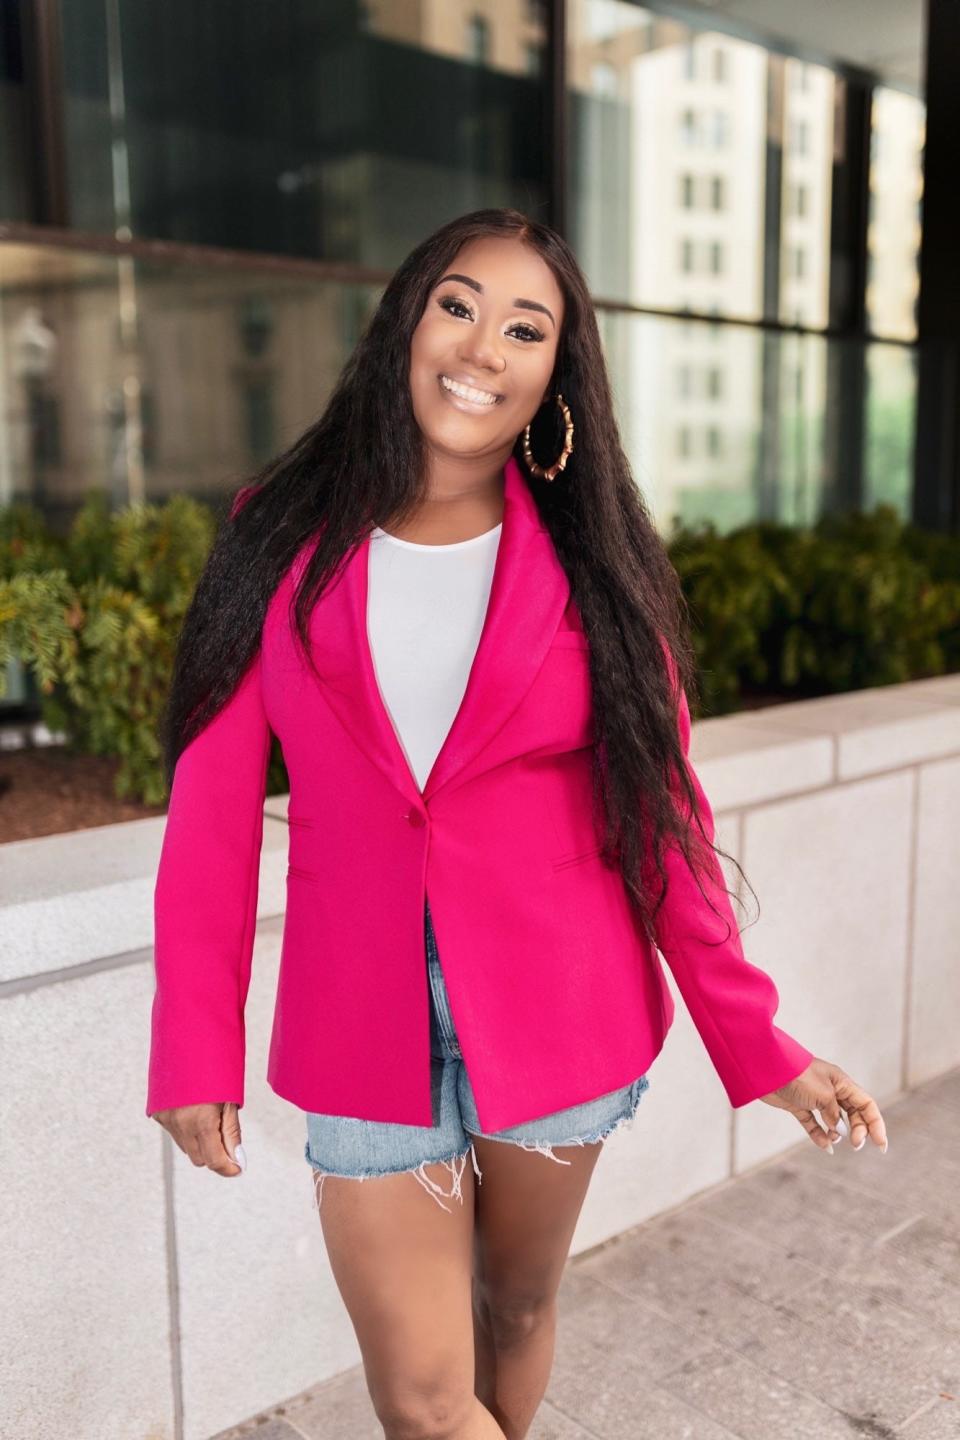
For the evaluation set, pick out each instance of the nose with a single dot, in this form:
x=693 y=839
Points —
x=481 y=349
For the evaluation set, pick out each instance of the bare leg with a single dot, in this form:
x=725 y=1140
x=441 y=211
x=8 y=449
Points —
x=402 y=1264
x=526 y=1212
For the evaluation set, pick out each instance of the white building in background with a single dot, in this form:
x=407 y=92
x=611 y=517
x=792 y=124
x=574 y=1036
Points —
x=896 y=197
x=702 y=120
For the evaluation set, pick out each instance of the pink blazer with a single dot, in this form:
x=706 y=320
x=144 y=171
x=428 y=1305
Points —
x=556 y=993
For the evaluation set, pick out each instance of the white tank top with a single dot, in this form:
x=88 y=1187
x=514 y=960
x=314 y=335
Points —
x=426 y=605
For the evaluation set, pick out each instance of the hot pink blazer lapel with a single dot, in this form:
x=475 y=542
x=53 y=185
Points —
x=528 y=596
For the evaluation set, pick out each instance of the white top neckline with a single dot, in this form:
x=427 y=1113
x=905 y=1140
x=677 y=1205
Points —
x=378 y=533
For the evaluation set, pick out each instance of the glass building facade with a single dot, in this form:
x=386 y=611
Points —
x=200 y=205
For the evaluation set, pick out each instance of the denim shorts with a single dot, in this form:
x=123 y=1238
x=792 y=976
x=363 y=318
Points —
x=361 y=1149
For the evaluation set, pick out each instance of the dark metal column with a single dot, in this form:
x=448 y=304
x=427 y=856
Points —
x=43 y=76
x=556 y=102
x=766 y=478
x=845 y=418
x=936 y=495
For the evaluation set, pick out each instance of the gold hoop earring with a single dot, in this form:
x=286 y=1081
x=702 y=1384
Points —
x=553 y=470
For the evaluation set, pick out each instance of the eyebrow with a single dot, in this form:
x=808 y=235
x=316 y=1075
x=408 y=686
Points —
x=519 y=304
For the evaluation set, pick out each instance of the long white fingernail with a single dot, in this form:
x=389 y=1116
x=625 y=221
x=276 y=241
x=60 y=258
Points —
x=842 y=1126
x=240 y=1155
x=829 y=1148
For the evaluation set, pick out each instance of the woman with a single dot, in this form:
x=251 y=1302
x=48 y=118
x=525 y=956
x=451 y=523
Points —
x=477 y=665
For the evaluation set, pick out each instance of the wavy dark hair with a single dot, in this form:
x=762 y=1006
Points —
x=361 y=464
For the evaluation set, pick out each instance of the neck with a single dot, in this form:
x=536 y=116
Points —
x=464 y=499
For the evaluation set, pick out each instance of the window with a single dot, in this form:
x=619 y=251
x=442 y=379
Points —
x=716 y=257
x=799 y=137
x=720 y=69
x=718 y=196
x=715 y=382
x=687 y=192
x=478 y=39
x=721 y=129
x=714 y=437
x=799 y=198
x=688 y=127
x=684 y=440
x=689 y=61
x=603 y=79
x=686 y=256
x=684 y=382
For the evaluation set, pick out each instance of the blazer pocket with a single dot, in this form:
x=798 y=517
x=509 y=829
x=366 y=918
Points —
x=300 y=874
x=566 y=861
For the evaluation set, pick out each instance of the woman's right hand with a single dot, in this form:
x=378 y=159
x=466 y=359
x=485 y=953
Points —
x=208 y=1134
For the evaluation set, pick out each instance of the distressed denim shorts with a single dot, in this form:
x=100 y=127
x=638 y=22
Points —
x=360 y=1149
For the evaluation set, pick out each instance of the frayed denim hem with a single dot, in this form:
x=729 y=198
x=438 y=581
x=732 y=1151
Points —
x=435 y=1191
x=418 y=1172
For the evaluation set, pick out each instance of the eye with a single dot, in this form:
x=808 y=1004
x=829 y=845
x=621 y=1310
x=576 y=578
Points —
x=451 y=303
x=532 y=331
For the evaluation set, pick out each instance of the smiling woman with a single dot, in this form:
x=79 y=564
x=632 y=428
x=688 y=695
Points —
x=478 y=668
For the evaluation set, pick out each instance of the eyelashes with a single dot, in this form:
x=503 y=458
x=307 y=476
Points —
x=449 y=302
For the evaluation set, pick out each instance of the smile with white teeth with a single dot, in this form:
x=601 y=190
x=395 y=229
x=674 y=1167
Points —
x=467 y=392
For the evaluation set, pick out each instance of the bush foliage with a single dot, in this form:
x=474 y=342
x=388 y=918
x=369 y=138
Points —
x=854 y=601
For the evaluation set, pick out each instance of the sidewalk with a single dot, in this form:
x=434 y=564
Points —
x=817 y=1298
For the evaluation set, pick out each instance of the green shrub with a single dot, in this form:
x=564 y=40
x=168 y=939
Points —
x=854 y=601
x=96 y=615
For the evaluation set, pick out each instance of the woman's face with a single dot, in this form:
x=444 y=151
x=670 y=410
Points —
x=492 y=325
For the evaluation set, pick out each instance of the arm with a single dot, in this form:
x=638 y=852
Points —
x=731 y=1002
x=205 y=906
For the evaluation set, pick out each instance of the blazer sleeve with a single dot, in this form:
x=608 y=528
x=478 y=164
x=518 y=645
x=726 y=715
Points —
x=205 y=905
x=731 y=1002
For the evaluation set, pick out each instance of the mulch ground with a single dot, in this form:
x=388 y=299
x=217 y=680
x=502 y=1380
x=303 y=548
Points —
x=45 y=791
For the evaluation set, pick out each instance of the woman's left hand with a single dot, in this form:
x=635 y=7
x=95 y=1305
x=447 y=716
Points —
x=827 y=1088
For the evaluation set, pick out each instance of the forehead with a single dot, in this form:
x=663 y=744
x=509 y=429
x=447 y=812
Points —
x=507 y=268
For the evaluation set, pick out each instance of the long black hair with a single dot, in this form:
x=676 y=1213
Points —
x=361 y=464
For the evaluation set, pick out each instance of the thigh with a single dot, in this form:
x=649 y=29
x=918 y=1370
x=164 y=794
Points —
x=531 y=1191
x=526 y=1213
x=403 y=1268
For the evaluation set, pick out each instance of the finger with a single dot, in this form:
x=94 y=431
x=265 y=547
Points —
x=853 y=1097
x=858 y=1129
x=814 y=1129
x=230 y=1132
x=832 y=1119
x=214 y=1155
x=191 y=1143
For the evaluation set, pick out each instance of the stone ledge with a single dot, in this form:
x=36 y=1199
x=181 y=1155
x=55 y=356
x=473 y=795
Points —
x=86 y=895
x=749 y=758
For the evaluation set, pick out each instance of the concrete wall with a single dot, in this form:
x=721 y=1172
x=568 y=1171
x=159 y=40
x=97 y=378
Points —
x=150 y=1300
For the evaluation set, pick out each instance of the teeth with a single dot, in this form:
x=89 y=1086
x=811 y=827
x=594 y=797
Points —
x=467 y=392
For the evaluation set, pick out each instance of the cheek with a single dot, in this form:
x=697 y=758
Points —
x=424 y=342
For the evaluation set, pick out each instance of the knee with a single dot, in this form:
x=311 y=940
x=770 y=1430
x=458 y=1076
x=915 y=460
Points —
x=436 y=1414
x=513 y=1318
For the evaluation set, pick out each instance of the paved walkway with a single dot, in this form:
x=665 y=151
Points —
x=817 y=1298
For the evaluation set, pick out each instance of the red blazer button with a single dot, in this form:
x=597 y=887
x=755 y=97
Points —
x=416 y=819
